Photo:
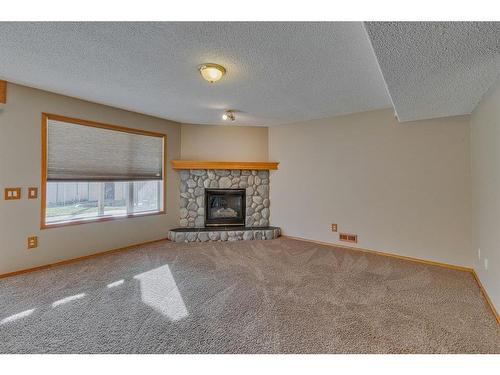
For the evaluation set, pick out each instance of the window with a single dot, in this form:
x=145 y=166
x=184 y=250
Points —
x=93 y=171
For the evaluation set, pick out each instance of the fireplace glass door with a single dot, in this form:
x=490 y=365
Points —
x=224 y=207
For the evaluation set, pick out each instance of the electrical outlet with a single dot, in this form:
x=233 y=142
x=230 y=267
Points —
x=348 y=237
x=479 y=253
x=486 y=264
x=32 y=242
x=334 y=227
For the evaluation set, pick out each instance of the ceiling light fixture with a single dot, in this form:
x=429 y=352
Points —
x=228 y=116
x=211 y=72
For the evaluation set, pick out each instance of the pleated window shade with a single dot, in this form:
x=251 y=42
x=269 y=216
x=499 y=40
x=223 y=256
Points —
x=78 y=152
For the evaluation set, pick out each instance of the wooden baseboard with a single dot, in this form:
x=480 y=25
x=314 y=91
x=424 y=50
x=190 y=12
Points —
x=382 y=253
x=3 y=92
x=72 y=260
x=486 y=296
x=488 y=300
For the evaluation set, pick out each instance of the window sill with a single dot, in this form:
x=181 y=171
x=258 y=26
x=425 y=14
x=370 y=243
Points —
x=99 y=219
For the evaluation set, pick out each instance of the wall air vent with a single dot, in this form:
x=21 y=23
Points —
x=347 y=237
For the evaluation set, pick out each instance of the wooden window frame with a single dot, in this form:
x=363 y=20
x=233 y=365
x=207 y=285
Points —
x=49 y=116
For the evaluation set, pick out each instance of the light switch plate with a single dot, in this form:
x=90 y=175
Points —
x=12 y=193
x=32 y=193
x=334 y=227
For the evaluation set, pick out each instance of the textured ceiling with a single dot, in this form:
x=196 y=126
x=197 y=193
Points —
x=436 y=69
x=276 y=72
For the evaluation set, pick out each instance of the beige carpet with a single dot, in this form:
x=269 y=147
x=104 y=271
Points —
x=279 y=296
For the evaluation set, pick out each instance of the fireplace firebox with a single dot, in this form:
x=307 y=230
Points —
x=225 y=207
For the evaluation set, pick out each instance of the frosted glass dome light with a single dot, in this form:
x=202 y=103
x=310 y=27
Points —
x=211 y=72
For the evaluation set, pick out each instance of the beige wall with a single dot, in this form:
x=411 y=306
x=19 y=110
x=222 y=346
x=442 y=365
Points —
x=20 y=166
x=485 y=160
x=214 y=142
x=403 y=188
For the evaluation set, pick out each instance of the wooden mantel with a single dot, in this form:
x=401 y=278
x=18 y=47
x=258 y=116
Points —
x=206 y=164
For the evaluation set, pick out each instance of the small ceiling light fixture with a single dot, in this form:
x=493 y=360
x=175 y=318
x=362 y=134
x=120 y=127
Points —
x=228 y=116
x=211 y=72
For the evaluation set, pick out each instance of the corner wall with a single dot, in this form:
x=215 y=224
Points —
x=20 y=150
x=221 y=142
x=485 y=163
x=403 y=188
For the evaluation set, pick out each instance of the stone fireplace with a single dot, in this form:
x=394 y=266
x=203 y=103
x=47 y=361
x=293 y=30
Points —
x=223 y=205
x=195 y=181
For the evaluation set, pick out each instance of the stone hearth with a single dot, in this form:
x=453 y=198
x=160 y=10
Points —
x=223 y=234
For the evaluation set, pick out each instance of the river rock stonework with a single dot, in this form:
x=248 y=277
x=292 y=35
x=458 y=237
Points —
x=268 y=233
x=195 y=181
